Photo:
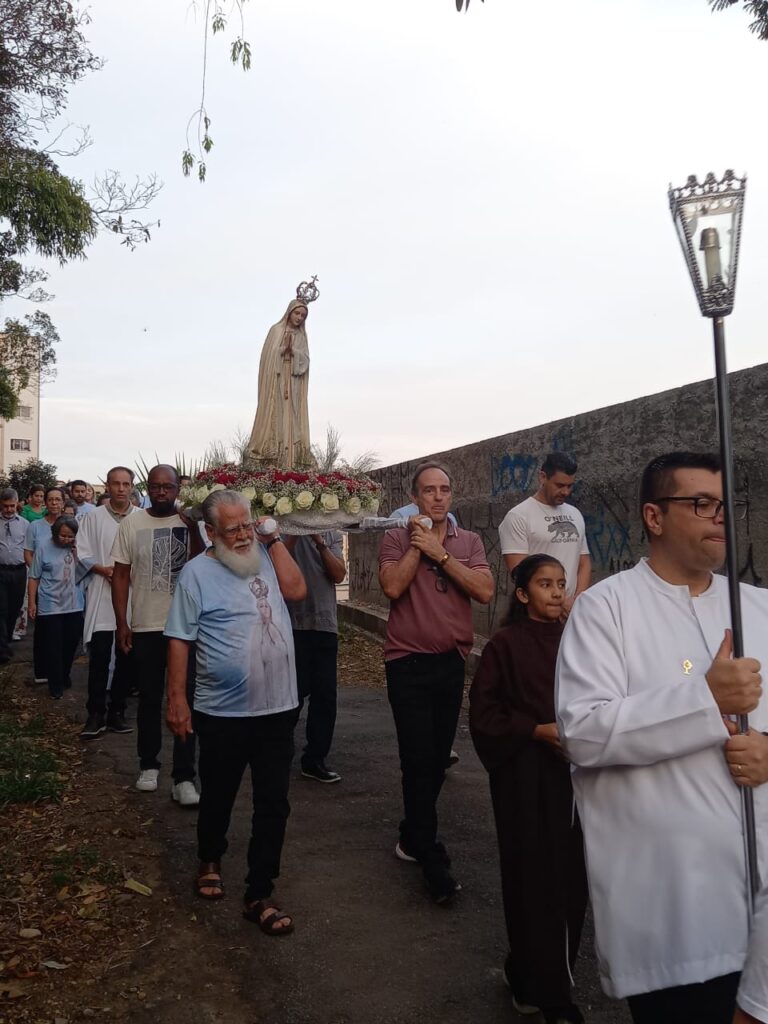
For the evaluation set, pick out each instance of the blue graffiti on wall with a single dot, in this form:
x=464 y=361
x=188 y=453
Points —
x=512 y=473
x=609 y=542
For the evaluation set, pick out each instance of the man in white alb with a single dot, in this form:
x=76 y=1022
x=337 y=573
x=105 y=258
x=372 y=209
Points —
x=752 y=999
x=95 y=539
x=546 y=524
x=645 y=678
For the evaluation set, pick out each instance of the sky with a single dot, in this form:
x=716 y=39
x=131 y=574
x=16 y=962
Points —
x=482 y=196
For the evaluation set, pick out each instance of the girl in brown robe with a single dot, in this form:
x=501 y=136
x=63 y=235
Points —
x=512 y=721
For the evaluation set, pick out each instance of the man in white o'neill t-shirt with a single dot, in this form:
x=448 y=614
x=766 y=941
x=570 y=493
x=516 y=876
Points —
x=546 y=524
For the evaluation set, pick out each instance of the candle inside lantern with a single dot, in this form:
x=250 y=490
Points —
x=710 y=246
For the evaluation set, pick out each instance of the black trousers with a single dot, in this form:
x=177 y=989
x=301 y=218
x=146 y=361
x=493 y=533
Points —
x=38 y=654
x=710 y=1002
x=425 y=693
x=316 y=653
x=149 y=663
x=59 y=636
x=13 y=581
x=227 y=745
x=100 y=650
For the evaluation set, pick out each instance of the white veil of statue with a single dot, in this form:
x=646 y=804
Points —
x=280 y=434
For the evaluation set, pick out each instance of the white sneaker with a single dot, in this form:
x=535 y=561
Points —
x=147 y=780
x=184 y=793
x=17 y=635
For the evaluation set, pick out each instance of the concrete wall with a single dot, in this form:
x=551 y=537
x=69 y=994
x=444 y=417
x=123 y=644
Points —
x=612 y=446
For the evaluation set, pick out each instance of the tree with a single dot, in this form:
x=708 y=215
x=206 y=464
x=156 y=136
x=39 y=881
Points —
x=43 y=211
x=215 y=16
x=22 y=475
x=756 y=9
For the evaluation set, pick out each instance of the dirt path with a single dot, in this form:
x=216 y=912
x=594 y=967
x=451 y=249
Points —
x=369 y=948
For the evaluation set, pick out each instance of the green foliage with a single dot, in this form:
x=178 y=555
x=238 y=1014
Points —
x=9 y=400
x=29 y=771
x=329 y=458
x=214 y=18
x=22 y=475
x=240 y=53
x=756 y=9
x=27 y=353
x=47 y=211
x=43 y=51
x=80 y=864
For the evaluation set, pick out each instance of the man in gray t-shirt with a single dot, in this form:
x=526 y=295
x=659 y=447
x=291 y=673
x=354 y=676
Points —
x=315 y=638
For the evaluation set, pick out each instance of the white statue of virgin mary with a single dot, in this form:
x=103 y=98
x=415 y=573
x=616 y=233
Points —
x=280 y=434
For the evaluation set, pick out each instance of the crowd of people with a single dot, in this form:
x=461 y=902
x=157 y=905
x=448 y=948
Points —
x=603 y=713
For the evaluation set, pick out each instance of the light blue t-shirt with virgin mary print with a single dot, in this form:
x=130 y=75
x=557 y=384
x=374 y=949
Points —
x=242 y=630
x=59 y=573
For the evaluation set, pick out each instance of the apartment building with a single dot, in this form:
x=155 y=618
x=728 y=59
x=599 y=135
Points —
x=20 y=437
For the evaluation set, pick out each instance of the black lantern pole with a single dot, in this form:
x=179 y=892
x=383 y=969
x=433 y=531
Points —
x=708 y=221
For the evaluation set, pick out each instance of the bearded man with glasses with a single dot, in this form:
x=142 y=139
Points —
x=647 y=688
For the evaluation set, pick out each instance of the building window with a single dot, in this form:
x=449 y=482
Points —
x=25 y=412
x=20 y=444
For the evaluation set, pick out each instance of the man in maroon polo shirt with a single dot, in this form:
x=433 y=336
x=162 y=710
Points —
x=431 y=574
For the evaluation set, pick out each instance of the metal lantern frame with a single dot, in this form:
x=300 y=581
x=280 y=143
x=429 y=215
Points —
x=716 y=299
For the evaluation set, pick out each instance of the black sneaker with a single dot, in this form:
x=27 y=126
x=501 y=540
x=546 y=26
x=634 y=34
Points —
x=116 y=722
x=319 y=773
x=93 y=727
x=568 y=1014
x=441 y=883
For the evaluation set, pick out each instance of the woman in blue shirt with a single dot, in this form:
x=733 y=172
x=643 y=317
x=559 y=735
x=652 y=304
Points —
x=56 y=602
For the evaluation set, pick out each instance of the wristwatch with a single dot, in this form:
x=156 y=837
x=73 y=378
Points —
x=444 y=559
x=275 y=540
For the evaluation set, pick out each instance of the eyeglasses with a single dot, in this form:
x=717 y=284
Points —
x=162 y=487
x=441 y=581
x=710 y=508
x=232 y=531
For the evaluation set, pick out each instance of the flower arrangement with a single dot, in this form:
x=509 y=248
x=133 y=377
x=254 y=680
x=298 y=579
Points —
x=280 y=492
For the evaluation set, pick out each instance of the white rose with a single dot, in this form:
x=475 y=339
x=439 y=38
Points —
x=268 y=499
x=249 y=493
x=305 y=499
x=283 y=506
x=201 y=493
x=352 y=506
x=329 y=501
x=218 y=487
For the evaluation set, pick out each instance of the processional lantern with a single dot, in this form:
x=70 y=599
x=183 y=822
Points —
x=708 y=221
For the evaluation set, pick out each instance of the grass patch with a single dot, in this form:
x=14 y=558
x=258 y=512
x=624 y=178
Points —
x=29 y=771
x=71 y=866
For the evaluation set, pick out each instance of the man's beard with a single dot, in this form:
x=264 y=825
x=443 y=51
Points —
x=242 y=564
